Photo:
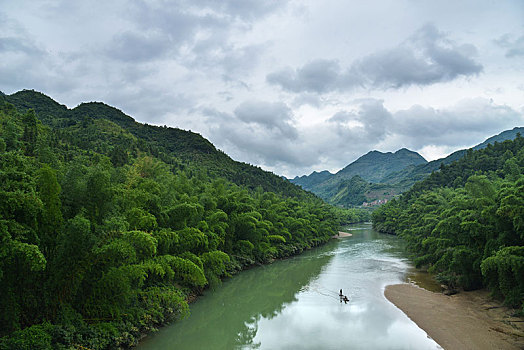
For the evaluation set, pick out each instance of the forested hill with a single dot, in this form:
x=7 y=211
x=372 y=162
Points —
x=108 y=226
x=503 y=136
x=379 y=175
x=371 y=167
x=359 y=181
x=107 y=130
x=466 y=221
x=375 y=165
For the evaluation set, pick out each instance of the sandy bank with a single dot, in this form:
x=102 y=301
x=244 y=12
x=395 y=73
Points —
x=342 y=235
x=468 y=320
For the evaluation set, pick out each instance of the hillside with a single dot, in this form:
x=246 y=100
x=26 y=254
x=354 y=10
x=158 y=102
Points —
x=114 y=225
x=172 y=145
x=375 y=165
x=360 y=181
x=371 y=167
x=387 y=174
x=503 y=136
x=465 y=223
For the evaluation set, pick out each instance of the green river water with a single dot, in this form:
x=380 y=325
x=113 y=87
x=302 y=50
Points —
x=294 y=303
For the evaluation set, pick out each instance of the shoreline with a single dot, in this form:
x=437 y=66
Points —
x=468 y=320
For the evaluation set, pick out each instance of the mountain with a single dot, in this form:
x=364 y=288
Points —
x=372 y=167
x=309 y=181
x=375 y=165
x=357 y=182
x=172 y=145
x=407 y=177
x=386 y=174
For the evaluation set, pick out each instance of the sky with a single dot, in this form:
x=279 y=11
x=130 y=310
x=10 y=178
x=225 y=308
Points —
x=291 y=86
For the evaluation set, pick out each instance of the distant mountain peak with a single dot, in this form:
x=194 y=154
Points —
x=406 y=151
x=323 y=172
x=386 y=174
x=309 y=181
x=400 y=154
x=375 y=165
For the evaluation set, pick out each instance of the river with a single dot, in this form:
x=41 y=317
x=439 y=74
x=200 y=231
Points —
x=294 y=303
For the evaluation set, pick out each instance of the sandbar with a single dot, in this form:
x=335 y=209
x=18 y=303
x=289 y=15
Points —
x=467 y=320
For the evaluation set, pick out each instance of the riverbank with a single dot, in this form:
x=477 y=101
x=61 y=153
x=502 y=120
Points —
x=468 y=320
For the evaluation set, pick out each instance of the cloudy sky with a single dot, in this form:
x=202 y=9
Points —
x=291 y=86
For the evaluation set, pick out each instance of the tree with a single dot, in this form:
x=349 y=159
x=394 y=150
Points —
x=51 y=215
x=29 y=137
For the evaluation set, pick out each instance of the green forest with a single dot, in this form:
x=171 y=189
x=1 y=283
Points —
x=108 y=227
x=465 y=222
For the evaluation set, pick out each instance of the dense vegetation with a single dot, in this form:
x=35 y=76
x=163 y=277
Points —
x=104 y=129
x=466 y=221
x=108 y=226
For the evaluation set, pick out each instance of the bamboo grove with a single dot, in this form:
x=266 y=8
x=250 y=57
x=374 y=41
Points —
x=103 y=238
x=466 y=221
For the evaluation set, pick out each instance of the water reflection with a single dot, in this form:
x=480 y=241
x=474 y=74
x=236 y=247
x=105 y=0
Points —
x=294 y=304
x=228 y=317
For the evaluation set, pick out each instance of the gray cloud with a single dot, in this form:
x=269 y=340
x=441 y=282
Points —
x=18 y=45
x=262 y=130
x=274 y=117
x=195 y=34
x=138 y=47
x=173 y=17
x=316 y=76
x=228 y=60
x=247 y=10
x=254 y=132
x=426 y=58
x=306 y=98
x=463 y=124
x=265 y=132
x=262 y=147
x=151 y=60
x=182 y=20
x=443 y=55
x=368 y=124
x=25 y=64
x=514 y=46
x=17 y=48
